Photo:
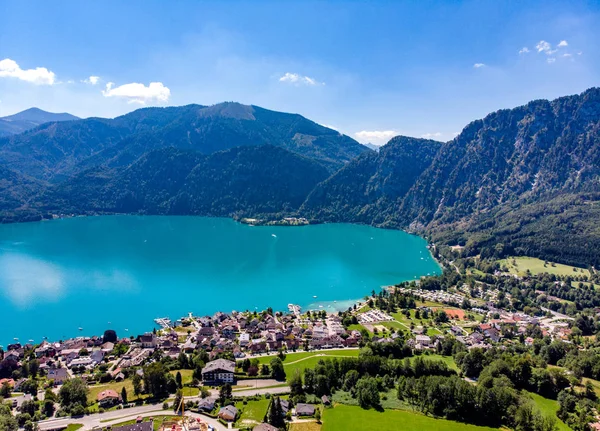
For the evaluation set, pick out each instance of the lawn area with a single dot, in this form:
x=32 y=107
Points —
x=186 y=375
x=595 y=384
x=73 y=427
x=548 y=407
x=356 y=327
x=158 y=420
x=305 y=426
x=189 y=391
x=449 y=360
x=346 y=418
x=536 y=266
x=252 y=413
x=115 y=386
x=395 y=325
x=293 y=357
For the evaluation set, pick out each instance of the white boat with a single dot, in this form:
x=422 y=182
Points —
x=273 y=235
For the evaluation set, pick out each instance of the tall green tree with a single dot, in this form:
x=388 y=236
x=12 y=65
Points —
x=155 y=379
x=73 y=393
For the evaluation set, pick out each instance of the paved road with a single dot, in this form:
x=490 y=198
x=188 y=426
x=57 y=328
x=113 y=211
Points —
x=117 y=416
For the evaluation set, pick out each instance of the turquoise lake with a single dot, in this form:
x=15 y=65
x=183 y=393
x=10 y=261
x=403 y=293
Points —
x=62 y=275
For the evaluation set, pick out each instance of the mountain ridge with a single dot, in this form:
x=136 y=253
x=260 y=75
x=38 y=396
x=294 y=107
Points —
x=518 y=181
x=30 y=118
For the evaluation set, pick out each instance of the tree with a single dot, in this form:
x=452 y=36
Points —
x=109 y=336
x=137 y=384
x=225 y=394
x=124 y=395
x=29 y=406
x=177 y=401
x=31 y=426
x=5 y=390
x=275 y=415
x=277 y=371
x=73 y=393
x=8 y=423
x=48 y=408
x=155 y=379
x=178 y=380
x=309 y=380
x=296 y=384
x=367 y=393
x=318 y=415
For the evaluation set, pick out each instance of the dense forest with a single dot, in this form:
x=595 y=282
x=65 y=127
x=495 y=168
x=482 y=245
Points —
x=519 y=181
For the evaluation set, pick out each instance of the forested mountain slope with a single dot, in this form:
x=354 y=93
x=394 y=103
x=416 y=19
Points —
x=514 y=178
x=249 y=180
x=54 y=151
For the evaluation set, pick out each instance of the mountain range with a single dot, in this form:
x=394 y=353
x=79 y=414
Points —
x=28 y=119
x=519 y=181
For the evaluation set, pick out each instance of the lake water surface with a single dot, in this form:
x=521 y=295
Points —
x=60 y=275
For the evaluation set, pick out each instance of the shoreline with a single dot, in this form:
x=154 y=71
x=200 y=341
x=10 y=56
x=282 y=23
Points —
x=350 y=290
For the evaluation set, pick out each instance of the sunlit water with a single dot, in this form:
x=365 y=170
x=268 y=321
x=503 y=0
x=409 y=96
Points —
x=121 y=272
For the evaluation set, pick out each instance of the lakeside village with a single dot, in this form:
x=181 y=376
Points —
x=523 y=329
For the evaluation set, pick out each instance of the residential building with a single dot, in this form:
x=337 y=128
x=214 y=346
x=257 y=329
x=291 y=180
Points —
x=218 y=372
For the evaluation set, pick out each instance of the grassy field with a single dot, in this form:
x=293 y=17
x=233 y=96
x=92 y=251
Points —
x=252 y=413
x=115 y=386
x=305 y=426
x=302 y=360
x=347 y=418
x=158 y=420
x=595 y=384
x=356 y=327
x=449 y=360
x=536 y=266
x=549 y=407
x=294 y=357
x=186 y=375
x=73 y=427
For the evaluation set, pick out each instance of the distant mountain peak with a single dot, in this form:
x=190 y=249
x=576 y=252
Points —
x=30 y=118
x=228 y=110
x=39 y=116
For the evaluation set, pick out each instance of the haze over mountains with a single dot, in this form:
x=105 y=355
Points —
x=28 y=119
x=519 y=181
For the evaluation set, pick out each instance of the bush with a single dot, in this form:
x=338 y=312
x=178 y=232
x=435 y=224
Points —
x=165 y=406
x=78 y=410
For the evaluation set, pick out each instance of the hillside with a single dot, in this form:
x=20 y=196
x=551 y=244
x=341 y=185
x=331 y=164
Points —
x=55 y=151
x=28 y=119
x=522 y=177
x=369 y=189
x=242 y=181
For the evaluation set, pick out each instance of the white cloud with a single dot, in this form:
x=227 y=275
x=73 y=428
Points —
x=294 y=78
x=551 y=60
x=478 y=65
x=567 y=55
x=38 y=76
x=562 y=43
x=138 y=93
x=376 y=137
x=92 y=80
x=579 y=53
x=524 y=50
x=543 y=46
x=431 y=135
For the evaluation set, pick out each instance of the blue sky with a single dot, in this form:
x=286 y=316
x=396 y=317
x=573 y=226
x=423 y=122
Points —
x=370 y=69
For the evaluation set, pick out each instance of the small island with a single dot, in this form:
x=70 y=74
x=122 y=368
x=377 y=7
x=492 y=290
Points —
x=286 y=221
